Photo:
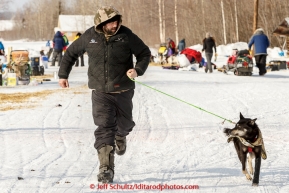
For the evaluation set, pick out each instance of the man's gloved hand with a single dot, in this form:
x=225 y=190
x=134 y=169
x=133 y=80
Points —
x=251 y=52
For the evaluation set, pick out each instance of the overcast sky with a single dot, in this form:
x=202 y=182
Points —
x=17 y=4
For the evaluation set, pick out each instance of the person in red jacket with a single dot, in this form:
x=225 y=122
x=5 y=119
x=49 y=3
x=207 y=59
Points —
x=171 y=47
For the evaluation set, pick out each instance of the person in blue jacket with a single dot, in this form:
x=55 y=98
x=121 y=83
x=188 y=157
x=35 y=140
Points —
x=58 y=45
x=50 y=47
x=182 y=45
x=261 y=43
x=2 y=49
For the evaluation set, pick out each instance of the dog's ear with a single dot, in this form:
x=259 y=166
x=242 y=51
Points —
x=241 y=116
x=252 y=122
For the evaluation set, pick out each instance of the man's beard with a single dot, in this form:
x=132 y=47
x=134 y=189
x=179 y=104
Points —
x=110 y=31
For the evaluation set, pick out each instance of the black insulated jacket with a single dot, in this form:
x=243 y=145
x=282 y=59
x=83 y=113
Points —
x=108 y=60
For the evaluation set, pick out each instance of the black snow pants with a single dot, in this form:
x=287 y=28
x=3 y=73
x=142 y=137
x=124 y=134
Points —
x=261 y=63
x=112 y=113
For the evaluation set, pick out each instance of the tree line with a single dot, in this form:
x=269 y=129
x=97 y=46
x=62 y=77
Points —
x=228 y=21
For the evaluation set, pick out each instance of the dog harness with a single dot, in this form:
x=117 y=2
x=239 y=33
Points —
x=250 y=149
x=258 y=142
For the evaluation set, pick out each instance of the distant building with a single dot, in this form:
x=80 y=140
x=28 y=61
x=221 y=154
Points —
x=6 y=25
x=71 y=24
x=282 y=30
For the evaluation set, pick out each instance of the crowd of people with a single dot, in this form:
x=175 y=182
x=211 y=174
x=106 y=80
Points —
x=259 y=40
x=57 y=47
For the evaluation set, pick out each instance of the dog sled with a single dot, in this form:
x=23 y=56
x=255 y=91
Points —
x=193 y=56
x=19 y=64
x=240 y=63
x=189 y=60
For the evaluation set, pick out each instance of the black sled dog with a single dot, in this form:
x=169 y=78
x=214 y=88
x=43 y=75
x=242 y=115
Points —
x=248 y=140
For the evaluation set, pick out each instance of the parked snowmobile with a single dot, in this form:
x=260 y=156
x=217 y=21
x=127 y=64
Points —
x=240 y=63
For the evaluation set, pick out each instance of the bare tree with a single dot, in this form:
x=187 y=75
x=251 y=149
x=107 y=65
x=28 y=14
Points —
x=163 y=19
x=162 y=36
x=154 y=20
x=224 y=22
x=176 y=22
x=236 y=20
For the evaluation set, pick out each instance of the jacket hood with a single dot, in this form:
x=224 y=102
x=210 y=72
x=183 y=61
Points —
x=58 y=34
x=103 y=15
x=259 y=31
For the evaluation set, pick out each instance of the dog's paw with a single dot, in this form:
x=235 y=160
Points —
x=248 y=177
x=255 y=184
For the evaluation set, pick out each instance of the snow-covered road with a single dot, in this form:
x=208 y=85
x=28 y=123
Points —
x=173 y=143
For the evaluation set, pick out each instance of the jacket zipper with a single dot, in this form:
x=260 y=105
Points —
x=105 y=63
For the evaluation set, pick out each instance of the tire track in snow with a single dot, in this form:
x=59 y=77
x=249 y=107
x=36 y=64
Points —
x=52 y=139
x=137 y=138
x=66 y=142
x=145 y=132
x=19 y=159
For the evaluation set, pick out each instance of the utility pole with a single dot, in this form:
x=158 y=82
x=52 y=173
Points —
x=255 y=22
x=59 y=8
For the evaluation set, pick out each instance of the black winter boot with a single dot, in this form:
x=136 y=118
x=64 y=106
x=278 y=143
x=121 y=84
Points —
x=120 y=145
x=106 y=164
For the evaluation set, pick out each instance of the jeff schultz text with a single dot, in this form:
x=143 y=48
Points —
x=142 y=187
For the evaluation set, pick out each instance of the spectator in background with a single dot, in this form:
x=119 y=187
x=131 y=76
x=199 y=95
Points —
x=58 y=46
x=81 y=56
x=2 y=49
x=182 y=45
x=261 y=43
x=43 y=59
x=171 y=47
x=65 y=41
x=50 y=48
x=208 y=45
